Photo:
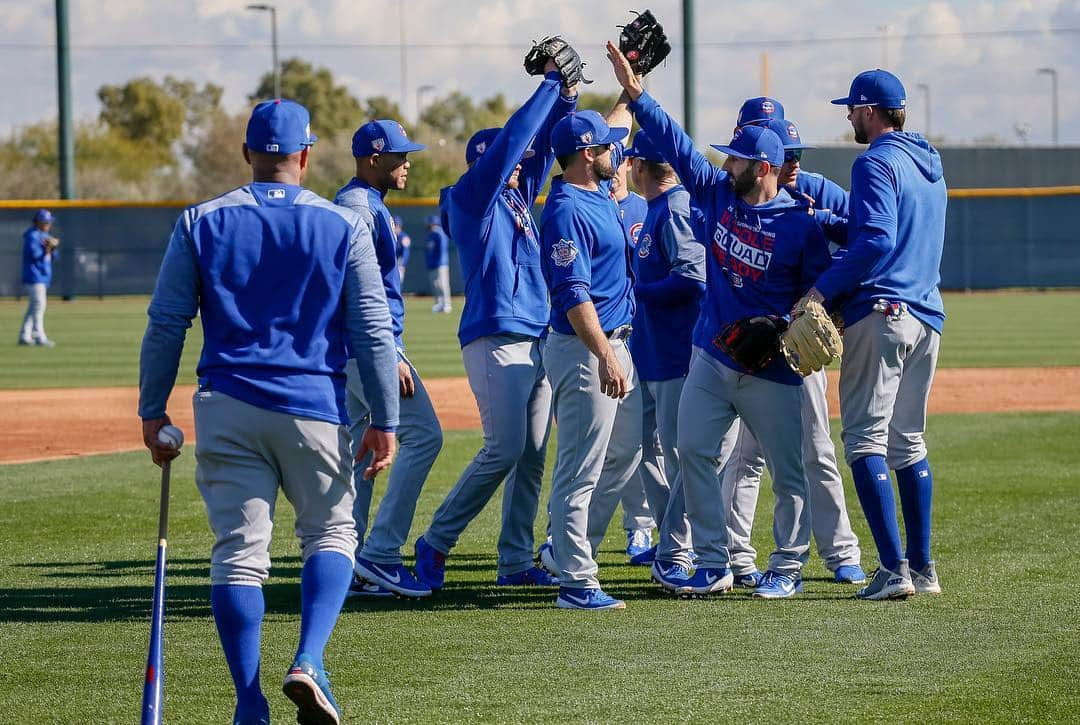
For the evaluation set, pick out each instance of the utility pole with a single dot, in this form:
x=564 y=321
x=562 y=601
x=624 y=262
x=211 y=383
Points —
x=273 y=43
x=66 y=139
x=688 y=66
x=1052 y=72
x=404 y=60
x=925 y=88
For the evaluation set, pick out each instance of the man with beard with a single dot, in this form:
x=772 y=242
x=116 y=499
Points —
x=585 y=255
x=763 y=251
x=487 y=212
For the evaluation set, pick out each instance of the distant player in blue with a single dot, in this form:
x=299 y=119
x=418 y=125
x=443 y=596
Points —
x=286 y=286
x=669 y=272
x=637 y=519
x=39 y=249
x=381 y=150
x=437 y=257
x=763 y=251
x=597 y=404
x=402 y=247
x=886 y=287
x=487 y=212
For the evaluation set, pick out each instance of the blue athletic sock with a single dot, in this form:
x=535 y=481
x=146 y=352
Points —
x=324 y=582
x=916 y=487
x=238 y=613
x=874 y=487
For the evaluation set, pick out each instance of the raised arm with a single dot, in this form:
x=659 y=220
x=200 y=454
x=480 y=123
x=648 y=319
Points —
x=535 y=170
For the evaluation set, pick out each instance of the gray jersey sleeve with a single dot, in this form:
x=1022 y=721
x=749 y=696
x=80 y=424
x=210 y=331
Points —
x=367 y=322
x=684 y=253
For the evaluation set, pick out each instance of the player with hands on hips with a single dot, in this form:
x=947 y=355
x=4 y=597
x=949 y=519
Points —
x=286 y=286
x=381 y=150
x=763 y=249
x=886 y=288
x=39 y=251
x=487 y=212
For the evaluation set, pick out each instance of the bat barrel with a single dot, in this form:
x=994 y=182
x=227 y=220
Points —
x=153 y=685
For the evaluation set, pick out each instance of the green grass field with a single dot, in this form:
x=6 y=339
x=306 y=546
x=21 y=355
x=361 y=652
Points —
x=76 y=571
x=99 y=339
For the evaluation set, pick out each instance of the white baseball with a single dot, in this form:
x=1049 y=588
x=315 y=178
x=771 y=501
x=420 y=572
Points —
x=171 y=437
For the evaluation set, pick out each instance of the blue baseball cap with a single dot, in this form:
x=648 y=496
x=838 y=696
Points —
x=382 y=137
x=875 y=88
x=398 y=221
x=759 y=110
x=43 y=216
x=788 y=133
x=279 y=127
x=755 y=143
x=434 y=219
x=643 y=148
x=581 y=130
x=482 y=139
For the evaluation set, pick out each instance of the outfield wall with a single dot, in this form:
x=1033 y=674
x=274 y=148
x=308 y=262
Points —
x=1024 y=237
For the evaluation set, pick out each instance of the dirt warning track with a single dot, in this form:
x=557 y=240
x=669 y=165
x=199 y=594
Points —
x=67 y=422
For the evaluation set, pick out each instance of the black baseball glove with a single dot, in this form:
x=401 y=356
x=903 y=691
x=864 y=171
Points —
x=566 y=60
x=752 y=342
x=643 y=43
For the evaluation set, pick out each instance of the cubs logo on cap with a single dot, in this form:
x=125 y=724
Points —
x=586 y=137
x=378 y=143
x=768 y=107
x=583 y=129
x=756 y=143
x=385 y=136
x=759 y=110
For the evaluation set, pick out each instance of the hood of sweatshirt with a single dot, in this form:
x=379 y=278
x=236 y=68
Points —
x=916 y=146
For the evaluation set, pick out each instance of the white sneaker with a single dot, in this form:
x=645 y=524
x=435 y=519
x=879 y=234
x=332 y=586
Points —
x=925 y=580
x=886 y=584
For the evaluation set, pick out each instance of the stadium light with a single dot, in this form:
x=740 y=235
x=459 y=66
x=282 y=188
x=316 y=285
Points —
x=1052 y=72
x=262 y=7
x=420 y=91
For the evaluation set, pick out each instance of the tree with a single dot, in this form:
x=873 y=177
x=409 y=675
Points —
x=456 y=117
x=333 y=109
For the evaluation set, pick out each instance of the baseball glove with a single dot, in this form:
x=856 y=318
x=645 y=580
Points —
x=644 y=43
x=51 y=243
x=752 y=342
x=566 y=59
x=811 y=341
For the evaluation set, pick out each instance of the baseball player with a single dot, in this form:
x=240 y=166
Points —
x=39 y=249
x=286 y=285
x=763 y=250
x=836 y=542
x=637 y=519
x=506 y=313
x=402 y=247
x=886 y=288
x=381 y=149
x=597 y=403
x=438 y=264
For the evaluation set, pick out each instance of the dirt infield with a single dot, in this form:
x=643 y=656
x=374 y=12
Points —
x=103 y=420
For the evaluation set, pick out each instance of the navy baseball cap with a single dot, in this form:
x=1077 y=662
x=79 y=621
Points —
x=759 y=110
x=755 y=143
x=279 y=127
x=875 y=88
x=643 y=148
x=483 y=138
x=43 y=216
x=434 y=219
x=382 y=137
x=788 y=133
x=581 y=130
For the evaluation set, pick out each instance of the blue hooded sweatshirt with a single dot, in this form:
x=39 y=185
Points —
x=896 y=232
x=36 y=262
x=493 y=228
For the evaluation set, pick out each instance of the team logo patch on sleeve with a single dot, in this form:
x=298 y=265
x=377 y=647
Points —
x=563 y=253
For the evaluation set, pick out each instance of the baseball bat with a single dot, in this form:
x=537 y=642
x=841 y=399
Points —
x=154 y=682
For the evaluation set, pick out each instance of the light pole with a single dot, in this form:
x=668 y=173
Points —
x=1052 y=72
x=885 y=30
x=273 y=42
x=925 y=88
x=420 y=91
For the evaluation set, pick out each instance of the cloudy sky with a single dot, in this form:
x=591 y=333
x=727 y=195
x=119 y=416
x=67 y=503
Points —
x=978 y=57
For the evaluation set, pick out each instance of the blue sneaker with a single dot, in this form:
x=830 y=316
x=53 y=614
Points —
x=262 y=717
x=669 y=575
x=638 y=541
x=591 y=598
x=545 y=557
x=775 y=585
x=363 y=589
x=708 y=580
x=533 y=577
x=645 y=558
x=394 y=577
x=308 y=687
x=850 y=574
x=749 y=580
x=430 y=565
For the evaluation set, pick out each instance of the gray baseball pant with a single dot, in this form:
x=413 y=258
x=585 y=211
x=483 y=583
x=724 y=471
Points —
x=33 y=326
x=885 y=378
x=599 y=447
x=660 y=403
x=243 y=454
x=512 y=392
x=440 y=286
x=635 y=504
x=836 y=542
x=420 y=439
x=713 y=397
